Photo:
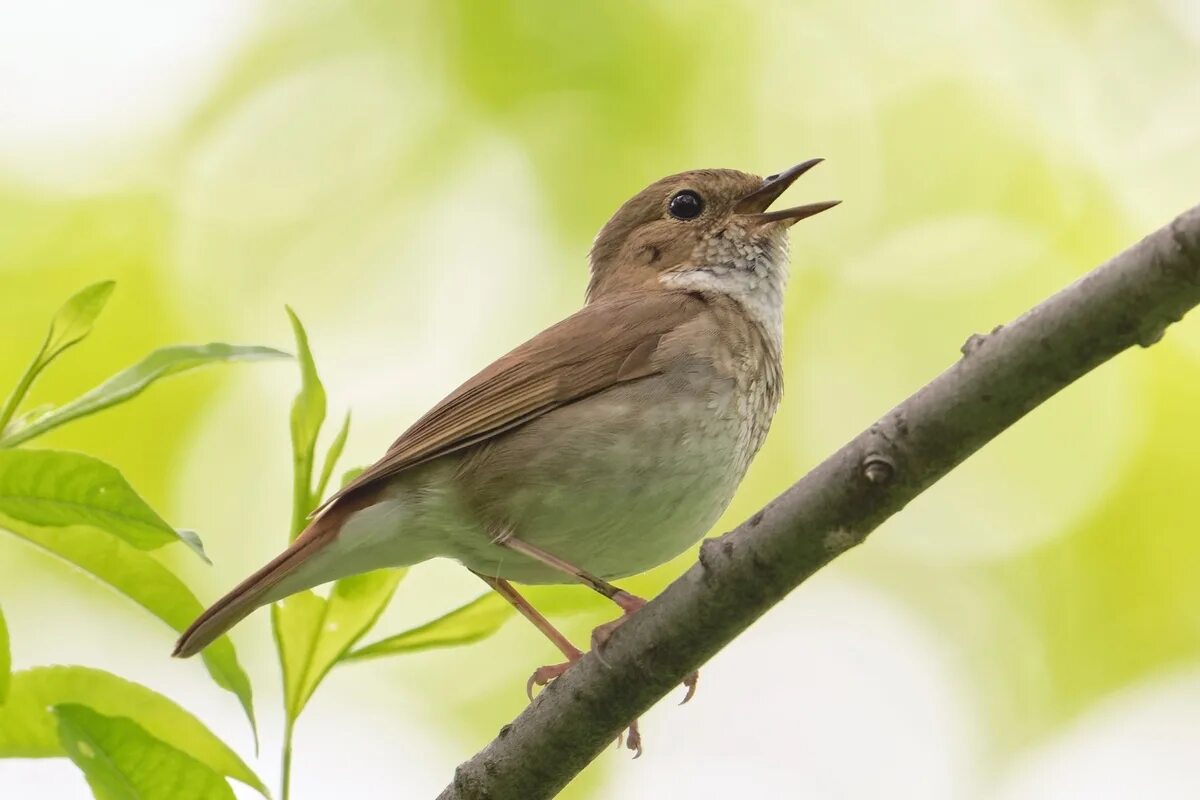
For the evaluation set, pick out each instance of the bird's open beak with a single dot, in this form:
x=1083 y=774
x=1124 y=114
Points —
x=754 y=205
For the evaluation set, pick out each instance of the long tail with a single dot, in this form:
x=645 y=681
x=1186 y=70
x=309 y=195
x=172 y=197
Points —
x=256 y=590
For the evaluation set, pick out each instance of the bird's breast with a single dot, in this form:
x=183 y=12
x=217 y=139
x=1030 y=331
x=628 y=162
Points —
x=620 y=482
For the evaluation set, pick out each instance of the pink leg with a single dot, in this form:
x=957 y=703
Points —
x=542 y=675
x=628 y=603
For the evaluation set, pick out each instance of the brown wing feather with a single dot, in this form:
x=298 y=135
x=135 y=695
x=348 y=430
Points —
x=607 y=342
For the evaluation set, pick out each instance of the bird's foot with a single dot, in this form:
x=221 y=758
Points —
x=632 y=739
x=630 y=604
x=543 y=675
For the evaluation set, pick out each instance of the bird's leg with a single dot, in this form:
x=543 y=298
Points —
x=542 y=675
x=627 y=602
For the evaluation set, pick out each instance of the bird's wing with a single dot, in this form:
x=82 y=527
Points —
x=607 y=342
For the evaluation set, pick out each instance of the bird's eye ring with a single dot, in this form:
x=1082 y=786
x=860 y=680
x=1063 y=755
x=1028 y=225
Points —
x=686 y=205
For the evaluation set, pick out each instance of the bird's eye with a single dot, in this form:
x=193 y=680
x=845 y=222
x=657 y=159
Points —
x=686 y=205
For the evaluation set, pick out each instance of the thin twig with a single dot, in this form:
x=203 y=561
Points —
x=1001 y=376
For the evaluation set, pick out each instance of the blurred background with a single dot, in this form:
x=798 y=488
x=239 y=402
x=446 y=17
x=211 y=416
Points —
x=422 y=181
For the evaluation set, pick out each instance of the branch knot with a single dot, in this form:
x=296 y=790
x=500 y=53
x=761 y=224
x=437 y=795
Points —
x=878 y=468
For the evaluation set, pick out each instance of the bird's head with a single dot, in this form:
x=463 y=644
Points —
x=703 y=224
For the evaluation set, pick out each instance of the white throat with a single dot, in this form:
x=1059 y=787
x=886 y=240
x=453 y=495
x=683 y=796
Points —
x=753 y=274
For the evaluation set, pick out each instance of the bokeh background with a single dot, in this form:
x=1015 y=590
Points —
x=422 y=180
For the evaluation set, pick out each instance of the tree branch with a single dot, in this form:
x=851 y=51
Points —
x=1000 y=378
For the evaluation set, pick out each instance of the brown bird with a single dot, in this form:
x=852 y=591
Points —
x=602 y=447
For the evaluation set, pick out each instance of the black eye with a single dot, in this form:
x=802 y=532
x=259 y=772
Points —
x=686 y=205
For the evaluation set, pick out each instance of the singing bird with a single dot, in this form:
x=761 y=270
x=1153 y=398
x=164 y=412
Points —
x=602 y=447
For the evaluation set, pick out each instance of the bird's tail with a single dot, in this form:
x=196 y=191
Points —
x=259 y=589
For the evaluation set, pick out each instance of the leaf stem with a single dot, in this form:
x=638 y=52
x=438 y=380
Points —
x=18 y=394
x=285 y=780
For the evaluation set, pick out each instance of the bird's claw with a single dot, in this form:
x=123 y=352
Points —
x=543 y=675
x=690 y=684
x=630 y=605
x=633 y=740
x=600 y=637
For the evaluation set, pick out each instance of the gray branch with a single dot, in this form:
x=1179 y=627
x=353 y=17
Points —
x=1001 y=377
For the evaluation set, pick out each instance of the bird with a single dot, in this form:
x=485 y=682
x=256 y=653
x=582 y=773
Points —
x=604 y=446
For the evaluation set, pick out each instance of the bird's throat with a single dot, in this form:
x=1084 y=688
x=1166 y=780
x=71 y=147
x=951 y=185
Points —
x=752 y=273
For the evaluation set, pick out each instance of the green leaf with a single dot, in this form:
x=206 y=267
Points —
x=308 y=413
x=313 y=633
x=476 y=620
x=5 y=660
x=296 y=622
x=27 y=725
x=351 y=474
x=70 y=325
x=331 y=459
x=133 y=380
x=145 y=581
x=121 y=761
x=28 y=417
x=53 y=489
x=192 y=540
x=75 y=319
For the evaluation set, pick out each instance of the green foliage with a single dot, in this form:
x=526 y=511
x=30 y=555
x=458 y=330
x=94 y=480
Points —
x=83 y=511
x=121 y=761
x=308 y=646
x=331 y=459
x=130 y=382
x=129 y=741
x=70 y=325
x=74 y=320
x=50 y=489
x=308 y=414
x=5 y=660
x=27 y=724
x=314 y=633
x=145 y=581
x=476 y=620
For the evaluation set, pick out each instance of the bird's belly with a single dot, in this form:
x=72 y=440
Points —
x=617 y=527
x=615 y=488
